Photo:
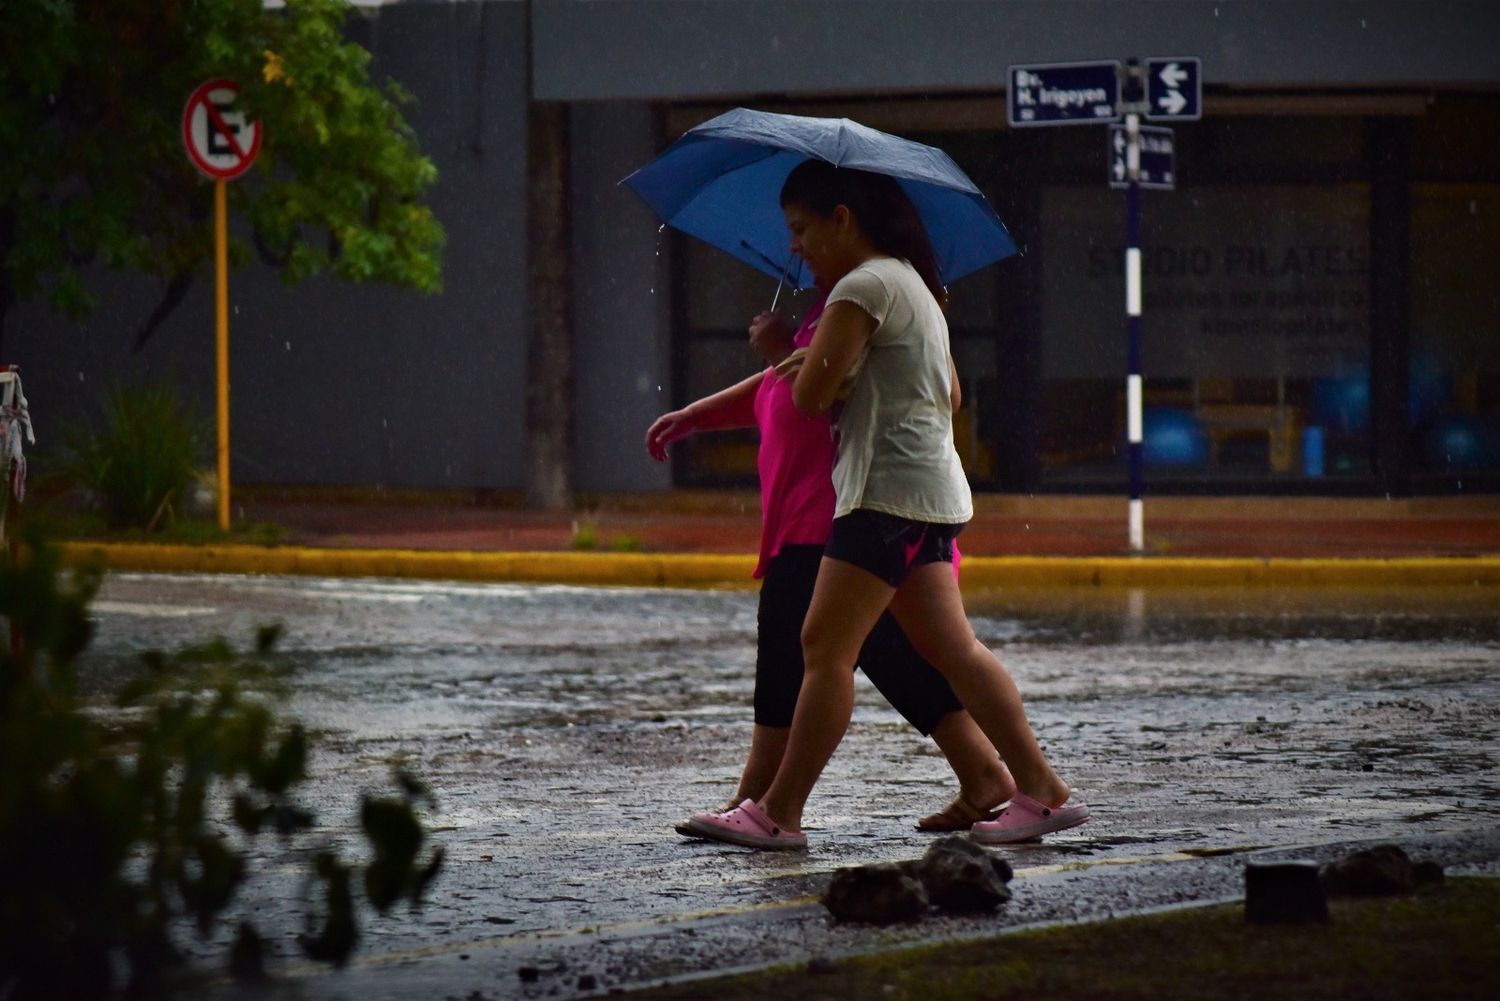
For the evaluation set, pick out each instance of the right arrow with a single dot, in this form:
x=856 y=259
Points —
x=1173 y=101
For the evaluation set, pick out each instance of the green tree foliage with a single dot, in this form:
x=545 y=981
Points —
x=91 y=101
x=120 y=828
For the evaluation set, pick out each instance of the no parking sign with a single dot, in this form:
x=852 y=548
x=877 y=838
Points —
x=219 y=140
x=222 y=143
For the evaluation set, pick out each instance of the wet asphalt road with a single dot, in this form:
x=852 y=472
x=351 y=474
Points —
x=565 y=729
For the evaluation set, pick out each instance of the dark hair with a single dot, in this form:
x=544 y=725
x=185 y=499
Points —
x=884 y=212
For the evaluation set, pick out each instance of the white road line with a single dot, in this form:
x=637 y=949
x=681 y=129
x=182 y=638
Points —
x=150 y=611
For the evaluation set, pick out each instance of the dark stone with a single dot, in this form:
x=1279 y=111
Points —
x=879 y=894
x=821 y=965
x=958 y=875
x=1382 y=871
x=1284 y=892
x=529 y=974
x=1428 y=872
x=587 y=982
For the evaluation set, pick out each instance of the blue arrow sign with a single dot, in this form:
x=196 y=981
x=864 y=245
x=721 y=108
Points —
x=1064 y=94
x=1157 y=168
x=1174 y=89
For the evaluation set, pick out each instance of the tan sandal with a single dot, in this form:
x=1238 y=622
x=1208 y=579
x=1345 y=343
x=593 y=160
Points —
x=959 y=815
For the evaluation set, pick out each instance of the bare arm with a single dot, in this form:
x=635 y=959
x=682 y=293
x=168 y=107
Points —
x=732 y=407
x=955 y=392
x=843 y=334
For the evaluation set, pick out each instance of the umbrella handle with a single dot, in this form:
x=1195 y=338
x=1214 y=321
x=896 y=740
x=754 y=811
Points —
x=779 y=284
x=786 y=269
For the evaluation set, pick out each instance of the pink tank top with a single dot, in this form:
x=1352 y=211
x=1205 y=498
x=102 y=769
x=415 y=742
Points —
x=795 y=462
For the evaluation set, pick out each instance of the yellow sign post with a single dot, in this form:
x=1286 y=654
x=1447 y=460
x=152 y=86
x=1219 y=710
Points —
x=221 y=340
x=222 y=144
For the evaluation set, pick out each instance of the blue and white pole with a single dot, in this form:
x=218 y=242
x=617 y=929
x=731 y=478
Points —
x=1133 y=419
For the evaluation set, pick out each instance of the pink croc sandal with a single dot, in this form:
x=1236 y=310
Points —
x=1027 y=820
x=747 y=825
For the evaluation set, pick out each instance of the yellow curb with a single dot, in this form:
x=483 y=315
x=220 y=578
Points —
x=619 y=569
x=712 y=570
x=983 y=572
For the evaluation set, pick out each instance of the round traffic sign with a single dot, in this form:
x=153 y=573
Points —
x=219 y=139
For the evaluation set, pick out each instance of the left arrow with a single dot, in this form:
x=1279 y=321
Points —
x=1173 y=75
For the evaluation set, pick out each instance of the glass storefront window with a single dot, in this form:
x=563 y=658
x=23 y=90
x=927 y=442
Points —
x=1454 y=384
x=1256 y=339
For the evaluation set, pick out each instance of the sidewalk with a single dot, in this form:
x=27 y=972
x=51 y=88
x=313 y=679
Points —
x=1004 y=525
x=709 y=539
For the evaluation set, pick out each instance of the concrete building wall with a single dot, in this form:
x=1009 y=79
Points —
x=640 y=49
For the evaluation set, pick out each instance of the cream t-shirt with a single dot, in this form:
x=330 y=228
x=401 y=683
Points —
x=895 y=433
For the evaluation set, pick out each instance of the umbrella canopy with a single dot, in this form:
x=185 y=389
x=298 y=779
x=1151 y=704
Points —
x=721 y=182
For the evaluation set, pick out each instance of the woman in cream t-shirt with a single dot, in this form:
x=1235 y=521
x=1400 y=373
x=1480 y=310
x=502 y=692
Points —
x=900 y=500
x=896 y=451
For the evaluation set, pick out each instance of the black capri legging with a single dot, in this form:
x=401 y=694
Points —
x=913 y=686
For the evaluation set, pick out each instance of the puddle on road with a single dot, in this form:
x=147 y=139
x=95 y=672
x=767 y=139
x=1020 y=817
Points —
x=565 y=729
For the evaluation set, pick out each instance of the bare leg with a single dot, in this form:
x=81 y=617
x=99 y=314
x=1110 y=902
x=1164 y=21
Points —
x=845 y=604
x=983 y=780
x=767 y=745
x=931 y=613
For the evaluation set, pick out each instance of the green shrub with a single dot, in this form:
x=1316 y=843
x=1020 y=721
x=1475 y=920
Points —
x=118 y=828
x=141 y=462
x=585 y=535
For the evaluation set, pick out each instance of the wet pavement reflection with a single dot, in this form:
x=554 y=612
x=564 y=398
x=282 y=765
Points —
x=565 y=729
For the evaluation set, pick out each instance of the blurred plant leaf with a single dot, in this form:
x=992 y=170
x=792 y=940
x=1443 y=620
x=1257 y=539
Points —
x=339 y=933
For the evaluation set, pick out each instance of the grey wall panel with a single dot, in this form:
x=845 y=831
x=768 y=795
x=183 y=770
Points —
x=460 y=398
x=67 y=365
x=622 y=365
x=335 y=383
x=613 y=49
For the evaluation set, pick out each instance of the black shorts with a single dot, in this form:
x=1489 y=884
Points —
x=887 y=546
x=913 y=686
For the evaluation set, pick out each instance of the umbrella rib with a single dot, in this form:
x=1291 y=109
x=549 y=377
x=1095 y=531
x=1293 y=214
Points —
x=784 y=268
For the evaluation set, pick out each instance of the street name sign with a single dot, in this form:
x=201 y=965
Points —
x=1064 y=94
x=219 y=140
x=1174 y=89
x=1157 y=168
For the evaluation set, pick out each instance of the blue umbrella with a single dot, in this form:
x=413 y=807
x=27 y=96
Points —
x=721 y=182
